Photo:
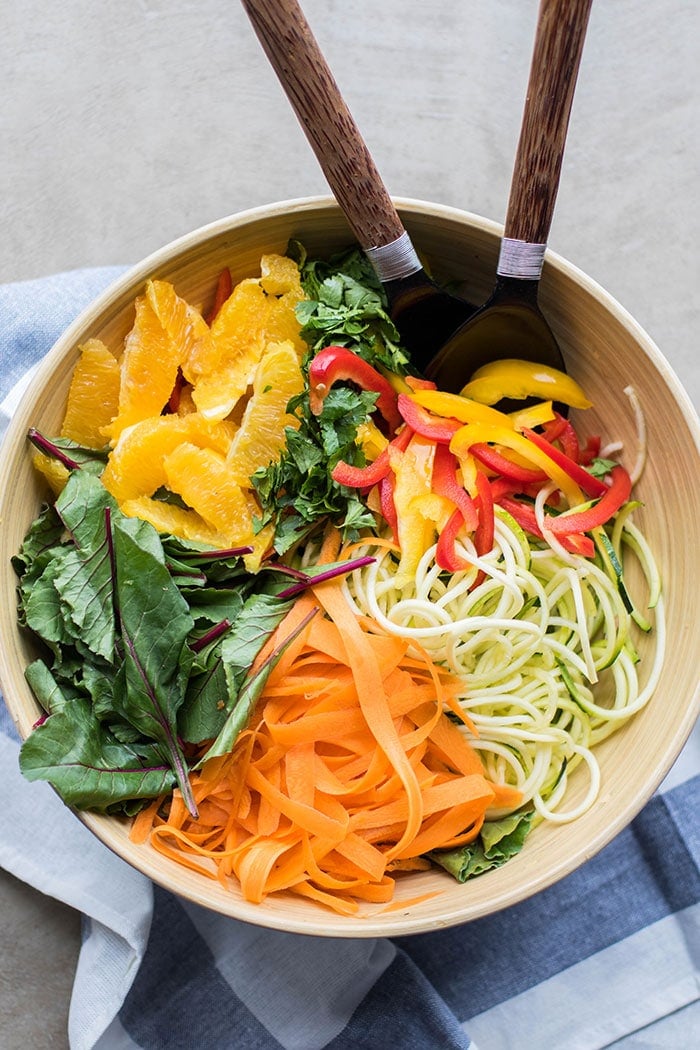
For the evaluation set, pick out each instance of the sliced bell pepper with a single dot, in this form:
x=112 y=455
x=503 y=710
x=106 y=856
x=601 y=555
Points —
x=590 y=450
x=617 y=493
x=446 y=483
x=437 y=428
x=533 y=416
x=524 y=515
x=387 y=505
x=500 y=464
x=445 y=554
x=513 y=378
x=476 y=433
x=485 y=530
x=224 y=287
x=334 y=364
x=591 y=485
x=454 y=406
x=365 y=477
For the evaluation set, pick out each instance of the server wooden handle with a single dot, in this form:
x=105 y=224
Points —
x=561 y=30
x=330 y=128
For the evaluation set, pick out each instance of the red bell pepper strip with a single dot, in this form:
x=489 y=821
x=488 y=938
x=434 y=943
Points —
x=617 y=493
x=445 y=554
x=499 y=463
x=224 y=287
x=417 y=383
x=365 y=477
x=569 y=443
x=591 y=450
x=591 y=486
x=555 y=428
x=445 y=483
x=436 y=428
x=388 y=507
x=483 y=537
x=362 y=477
x=526 y=518
x=336 y=363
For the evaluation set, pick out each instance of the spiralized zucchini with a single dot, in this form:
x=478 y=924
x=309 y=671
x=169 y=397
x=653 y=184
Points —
x=544 y=645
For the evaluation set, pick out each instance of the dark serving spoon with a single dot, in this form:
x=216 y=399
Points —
x=425 y=314
x=511 y=324
x=435 y=325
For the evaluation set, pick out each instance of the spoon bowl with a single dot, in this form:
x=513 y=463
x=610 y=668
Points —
x=511 y=323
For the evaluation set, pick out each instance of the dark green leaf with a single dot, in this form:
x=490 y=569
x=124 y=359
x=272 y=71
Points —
x=498 y=841
x=88 y=767
x=154 y=623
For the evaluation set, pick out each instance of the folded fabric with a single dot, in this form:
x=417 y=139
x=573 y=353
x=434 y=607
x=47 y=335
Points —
x=605 y=953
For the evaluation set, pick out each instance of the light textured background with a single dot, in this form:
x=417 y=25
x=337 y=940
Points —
x=127 y=123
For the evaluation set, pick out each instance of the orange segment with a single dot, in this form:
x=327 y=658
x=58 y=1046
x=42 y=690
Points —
x=93 y=397
x=166 y=332
x=261 y=437
x=258 y=311
x=202 y=478
x=135 y=464
x=169 y=518
x=54 y=473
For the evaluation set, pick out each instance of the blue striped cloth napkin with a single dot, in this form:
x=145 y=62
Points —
x=609 y=956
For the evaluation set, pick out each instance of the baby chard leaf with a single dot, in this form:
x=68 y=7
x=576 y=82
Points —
x=213 y=694
x=154 y=623
x=87 y=765
x=242 y=709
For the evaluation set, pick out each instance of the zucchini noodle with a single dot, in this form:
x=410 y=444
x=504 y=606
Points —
x=544 y=646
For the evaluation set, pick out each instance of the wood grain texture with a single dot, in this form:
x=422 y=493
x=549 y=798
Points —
x=311 y=88
x=561 y=30
x=606 y=350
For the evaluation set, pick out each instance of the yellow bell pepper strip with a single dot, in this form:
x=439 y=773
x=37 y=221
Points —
x=334 y=364
x=370 y=439
x=533 y=416
x=412 y=469
x=513 y=378
x=446 y=483
x=591 y=485
x=617 y=493
x=476 y=433
x=464 y=409
x=440 y=429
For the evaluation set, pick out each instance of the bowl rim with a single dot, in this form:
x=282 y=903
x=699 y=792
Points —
x=386 y=924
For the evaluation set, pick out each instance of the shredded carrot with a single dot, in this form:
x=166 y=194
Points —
x=349 y=772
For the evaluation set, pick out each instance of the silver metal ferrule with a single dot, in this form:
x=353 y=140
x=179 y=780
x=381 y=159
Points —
x=394 y=260
x=521 y=259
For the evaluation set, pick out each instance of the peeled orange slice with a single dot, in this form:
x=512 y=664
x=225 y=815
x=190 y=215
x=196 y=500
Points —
x=202 y=478
x=166 y=333
x=93 y=396
x=135 y=464
x=258 y=311
x=261 y=435
x=169 y=518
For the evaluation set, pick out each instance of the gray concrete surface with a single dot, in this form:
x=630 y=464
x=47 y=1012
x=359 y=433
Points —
x=125 y=124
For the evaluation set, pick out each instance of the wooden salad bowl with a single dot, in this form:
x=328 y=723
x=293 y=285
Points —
x=605 y=350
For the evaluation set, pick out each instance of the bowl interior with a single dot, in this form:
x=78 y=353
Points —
x=606 y=351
